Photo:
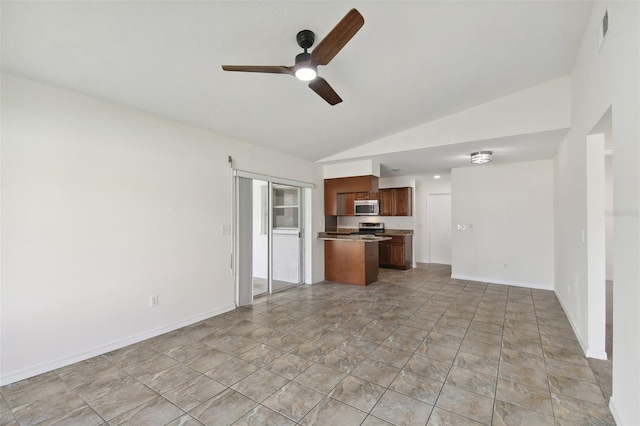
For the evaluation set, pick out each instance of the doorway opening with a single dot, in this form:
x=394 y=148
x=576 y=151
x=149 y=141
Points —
x=599 y=149
x=439 y=223
x=600 y=224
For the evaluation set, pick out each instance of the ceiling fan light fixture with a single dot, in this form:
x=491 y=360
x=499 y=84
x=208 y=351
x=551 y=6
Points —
x=306 y=73
x=304 y=70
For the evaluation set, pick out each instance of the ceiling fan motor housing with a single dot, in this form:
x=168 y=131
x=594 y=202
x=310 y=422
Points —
x=303 y=57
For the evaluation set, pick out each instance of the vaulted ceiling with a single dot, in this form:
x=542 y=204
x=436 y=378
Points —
x=411 y=63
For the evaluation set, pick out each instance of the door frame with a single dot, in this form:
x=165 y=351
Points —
x=236 y=262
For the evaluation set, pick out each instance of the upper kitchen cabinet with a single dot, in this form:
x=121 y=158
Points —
x=366 y=196
x=330 y=197
x=345 y=204
x=355 y=184
x=395 y=202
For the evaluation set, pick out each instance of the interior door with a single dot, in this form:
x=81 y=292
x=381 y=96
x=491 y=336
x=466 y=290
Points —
x=440 y=228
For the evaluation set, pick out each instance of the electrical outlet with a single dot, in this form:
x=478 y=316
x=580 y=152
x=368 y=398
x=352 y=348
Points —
x=153 y=301
x=225 y=230
x=506 y=266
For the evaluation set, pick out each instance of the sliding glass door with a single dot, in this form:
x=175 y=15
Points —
x=260 y=249
x=268 y=237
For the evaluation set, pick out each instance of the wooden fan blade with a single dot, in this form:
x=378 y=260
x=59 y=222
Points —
x=326 y=92
x=337 y=38
x=277 y=69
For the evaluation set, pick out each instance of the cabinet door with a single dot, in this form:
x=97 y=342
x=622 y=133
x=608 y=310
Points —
x=386 y=202
x=330 y=197
x=384 y=254
x=349 y=198
x=402 y=201
x=395 y=201
x=357 y=184
x=397 y=255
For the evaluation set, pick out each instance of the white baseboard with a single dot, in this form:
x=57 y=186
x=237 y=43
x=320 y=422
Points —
x=537 y=286
x=583 y=344
x=25 y=373
x=588 y=352
x=596 y=354
x=616 y=413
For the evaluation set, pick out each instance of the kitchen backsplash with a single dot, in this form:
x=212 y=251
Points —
x=390 y=222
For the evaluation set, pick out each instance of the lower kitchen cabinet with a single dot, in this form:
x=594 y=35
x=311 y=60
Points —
x=397 y=252
x=351 y=261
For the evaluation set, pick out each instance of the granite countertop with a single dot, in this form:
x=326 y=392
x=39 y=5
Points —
x=327 y=236
x=352 y=234
x=349 y=231
x=392 y=232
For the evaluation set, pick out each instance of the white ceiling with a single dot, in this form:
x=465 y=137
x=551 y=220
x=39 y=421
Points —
x=411 y=63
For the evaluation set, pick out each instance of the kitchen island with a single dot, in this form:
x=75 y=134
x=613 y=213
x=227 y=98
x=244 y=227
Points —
x=351 y=259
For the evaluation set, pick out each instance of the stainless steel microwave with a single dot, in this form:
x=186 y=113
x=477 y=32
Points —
x=366 y=207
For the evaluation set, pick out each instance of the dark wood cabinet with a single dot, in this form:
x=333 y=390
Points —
x=349 y=198
x=384 y=253
x=351 y=262
x=396 y=253
x=366 y=195
x=402 y=202
x=395 y=202
x=357 y=184
x=386 y=202
x=330 y=197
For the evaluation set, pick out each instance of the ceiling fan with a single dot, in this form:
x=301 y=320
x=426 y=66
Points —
x=306 y=64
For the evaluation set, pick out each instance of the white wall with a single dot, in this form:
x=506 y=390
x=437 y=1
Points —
x=352 y=168
x=104 y=206
x=421 y=211
x=511 y=209
x=603 y=78
x=608 y=205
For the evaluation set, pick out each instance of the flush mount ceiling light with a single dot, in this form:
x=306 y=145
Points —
x=436 y=177
x=481 y=157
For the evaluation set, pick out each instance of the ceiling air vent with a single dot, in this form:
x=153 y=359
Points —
x=604 y=27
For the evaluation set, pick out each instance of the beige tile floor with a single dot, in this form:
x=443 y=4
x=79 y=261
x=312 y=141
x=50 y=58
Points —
x=413 y=348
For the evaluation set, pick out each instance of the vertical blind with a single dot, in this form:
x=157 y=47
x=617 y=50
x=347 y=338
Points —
x=244 y=191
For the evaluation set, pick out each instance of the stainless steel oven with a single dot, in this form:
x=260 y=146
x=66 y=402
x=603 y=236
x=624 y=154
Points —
x=366 y=207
